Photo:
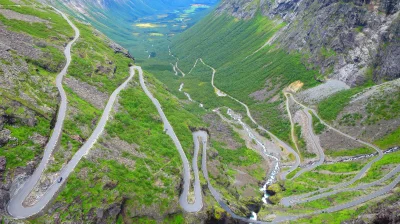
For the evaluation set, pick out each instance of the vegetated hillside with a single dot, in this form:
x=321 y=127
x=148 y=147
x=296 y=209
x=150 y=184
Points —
x=133 y=174
x=255 y=77
x=31 y=55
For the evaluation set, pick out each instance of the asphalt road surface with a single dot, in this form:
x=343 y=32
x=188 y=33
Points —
x=183 y=199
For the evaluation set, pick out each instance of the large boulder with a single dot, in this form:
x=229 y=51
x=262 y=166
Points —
x=274 y=189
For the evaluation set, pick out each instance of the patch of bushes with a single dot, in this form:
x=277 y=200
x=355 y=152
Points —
x=239 y=157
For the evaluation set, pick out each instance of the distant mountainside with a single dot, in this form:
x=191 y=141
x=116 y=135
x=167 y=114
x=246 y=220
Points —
x=123 y=9
x=116 y=18
x=259 y=47
x=346 y=40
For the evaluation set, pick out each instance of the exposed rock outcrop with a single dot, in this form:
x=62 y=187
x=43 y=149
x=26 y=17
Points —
x=386 y=65
x=384 y=212
x=389 y=6
x=118 y=49
x=3 y=162
x=87 y=92
x=244 y=9
x=9 y=14
x=344 y=39
x=5 y=136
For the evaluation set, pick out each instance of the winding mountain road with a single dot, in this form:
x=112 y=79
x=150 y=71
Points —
x=288 y=201
x=183 y=199
x=188 y=95
x=389 y=175
x=15 y=207
x=248 y=113
x=292 y=129
x=201 y=138
x=316 y=144
x=19 y=211
x=311 y=195
x=175 y=67
x=357 y=201
x=194 y=66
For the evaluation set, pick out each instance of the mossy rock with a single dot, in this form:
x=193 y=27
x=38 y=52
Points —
x=275 y=199
x=274 y=189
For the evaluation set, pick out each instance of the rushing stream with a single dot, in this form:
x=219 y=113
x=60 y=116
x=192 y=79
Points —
x=253 y=216
x=272 y=176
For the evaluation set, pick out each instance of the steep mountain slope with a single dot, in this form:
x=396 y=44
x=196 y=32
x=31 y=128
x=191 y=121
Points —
x=31 y=54
x=343 y=39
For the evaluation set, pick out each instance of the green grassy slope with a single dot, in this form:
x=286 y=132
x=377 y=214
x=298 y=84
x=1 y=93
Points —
x=155 y=175
x=227 y=44
x=22 y=101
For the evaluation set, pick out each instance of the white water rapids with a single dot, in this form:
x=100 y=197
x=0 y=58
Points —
x=272 y=176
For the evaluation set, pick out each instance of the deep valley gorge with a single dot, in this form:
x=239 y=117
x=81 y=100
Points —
x=200 y=111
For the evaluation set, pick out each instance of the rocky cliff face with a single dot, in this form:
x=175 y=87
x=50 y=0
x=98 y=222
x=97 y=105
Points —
x=386 y=64
x=347 y=40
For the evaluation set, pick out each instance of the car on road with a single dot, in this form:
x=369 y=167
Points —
x=59 y=180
